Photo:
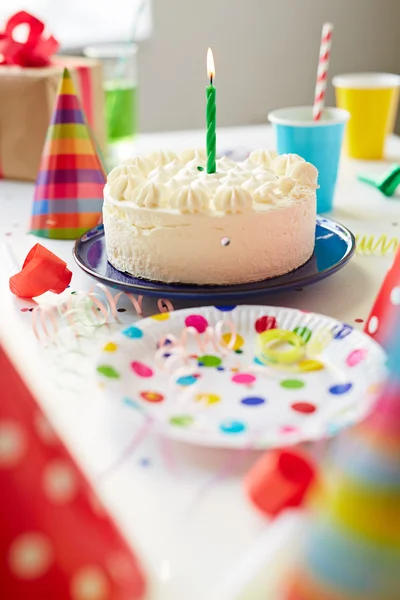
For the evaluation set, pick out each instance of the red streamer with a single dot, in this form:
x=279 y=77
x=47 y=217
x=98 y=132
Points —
x=280 y=480
x=41 y=272
x=35 y=51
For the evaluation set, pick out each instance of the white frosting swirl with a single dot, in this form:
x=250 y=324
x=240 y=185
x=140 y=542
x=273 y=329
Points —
x=265 y=194
x=305 y=174
x=262 y=157
x=225 y=164
x=125 y=169
x=233 y=199
x=164 y=180
x=285 y=185
x=283 y=162
x=150 y=195
x=190 y=200
x=198 y=154
x=140 y=162
x=159 y=175
x=123 y=181
x=160 y=158
x=233 y=178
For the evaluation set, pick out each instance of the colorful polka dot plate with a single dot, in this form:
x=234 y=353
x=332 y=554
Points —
x=334 y=247
x=217 y=392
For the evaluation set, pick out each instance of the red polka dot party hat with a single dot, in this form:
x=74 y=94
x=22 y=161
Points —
x=57 y=542
x=69 y=187
x=352 y=546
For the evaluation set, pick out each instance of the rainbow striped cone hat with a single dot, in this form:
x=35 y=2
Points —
x=352 y=547
x=69 y=187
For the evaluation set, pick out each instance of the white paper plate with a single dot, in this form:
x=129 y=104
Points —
x=228 y=400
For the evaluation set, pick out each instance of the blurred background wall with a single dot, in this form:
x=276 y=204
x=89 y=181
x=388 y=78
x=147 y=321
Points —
x=266 y=54
x=266 y=51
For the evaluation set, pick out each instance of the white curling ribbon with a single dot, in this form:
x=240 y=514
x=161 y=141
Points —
x=282 y=163
x=178 y=347
x=305 y=174
x=233 y=199
x=190 y=200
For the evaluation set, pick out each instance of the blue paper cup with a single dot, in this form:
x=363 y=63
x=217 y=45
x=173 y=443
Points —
x=318 y=142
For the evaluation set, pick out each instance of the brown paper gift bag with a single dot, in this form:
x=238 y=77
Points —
x=27 y=97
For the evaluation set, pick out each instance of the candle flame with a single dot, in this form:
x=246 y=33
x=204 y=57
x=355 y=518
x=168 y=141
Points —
x=210 y=65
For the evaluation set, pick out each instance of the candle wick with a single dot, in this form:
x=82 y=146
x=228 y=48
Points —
x=211 y=79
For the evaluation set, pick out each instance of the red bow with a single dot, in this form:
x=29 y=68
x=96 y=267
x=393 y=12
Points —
x=37 y=49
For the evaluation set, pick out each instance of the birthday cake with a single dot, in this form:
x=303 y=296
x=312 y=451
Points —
x=166 y=219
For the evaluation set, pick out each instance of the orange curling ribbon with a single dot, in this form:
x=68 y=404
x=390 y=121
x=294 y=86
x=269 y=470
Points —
x=41 y=272
x=35 y=51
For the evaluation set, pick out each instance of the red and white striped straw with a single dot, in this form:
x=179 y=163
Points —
x=322 y=75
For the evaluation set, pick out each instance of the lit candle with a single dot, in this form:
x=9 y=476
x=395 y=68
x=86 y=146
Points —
x=211 y=115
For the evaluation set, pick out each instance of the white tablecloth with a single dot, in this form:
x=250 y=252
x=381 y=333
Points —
x=188 y=522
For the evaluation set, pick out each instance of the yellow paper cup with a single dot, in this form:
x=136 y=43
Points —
x=372 y=100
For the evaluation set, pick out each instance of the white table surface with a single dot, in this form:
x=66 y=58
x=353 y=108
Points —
x=189 y=523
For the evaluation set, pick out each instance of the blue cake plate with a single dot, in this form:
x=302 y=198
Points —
x=334 y=246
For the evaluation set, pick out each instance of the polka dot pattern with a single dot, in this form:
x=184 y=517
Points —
x=306 y=408
x=133 y=332
x=244 y=378
x=373 y=325
x=232 y=427
x=161 y=316
x=48 y=509
x=395 y=296
x=30 y=555
x=265 y=323
x=292 y=384
x=59 y=482
x=152 y=397
x=230 y=395
x=12 y=443
x=238 y=343
x=198 y=322
x=141 y=370
x=341 y=388
x=182 y=420
x=186 y=380
x=108 y=371
x=208 y=360
x=90 y=583
x=207 y=399
x=253 y=401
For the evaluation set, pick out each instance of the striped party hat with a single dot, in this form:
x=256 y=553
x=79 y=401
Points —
x=69 y=188
x=352 y=547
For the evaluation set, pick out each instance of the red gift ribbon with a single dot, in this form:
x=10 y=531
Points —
x=280 y=480
x=41 y=272
x=37 y=49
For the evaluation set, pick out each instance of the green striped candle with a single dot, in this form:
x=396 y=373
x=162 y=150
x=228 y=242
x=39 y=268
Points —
x=211 y=140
